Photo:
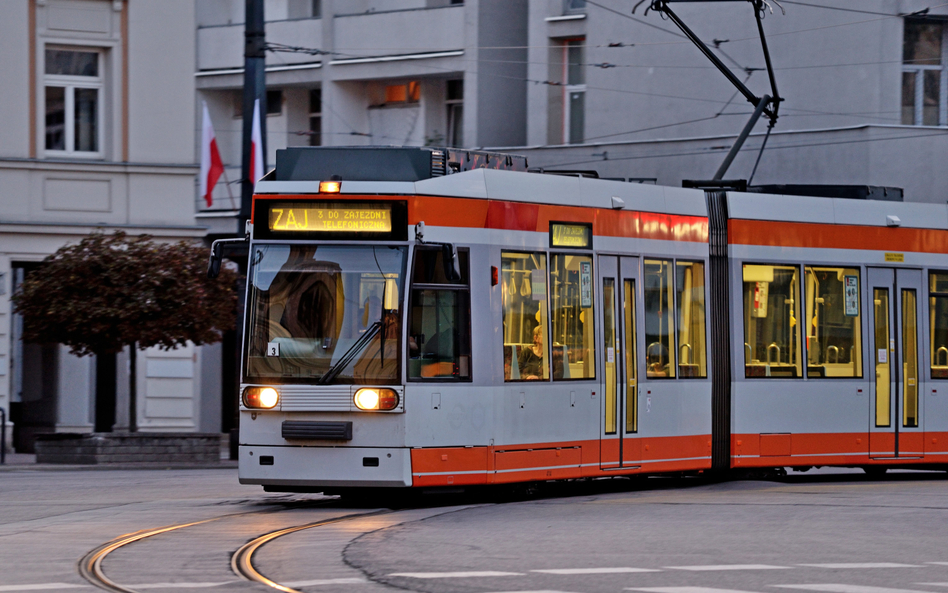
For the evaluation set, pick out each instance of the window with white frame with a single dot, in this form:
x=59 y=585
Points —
x=574 y=100
x=72 y=84
x=574 y=6
x=924 y=78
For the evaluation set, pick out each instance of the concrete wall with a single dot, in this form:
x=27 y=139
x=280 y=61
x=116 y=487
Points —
x=502 y=55
x=900 y=156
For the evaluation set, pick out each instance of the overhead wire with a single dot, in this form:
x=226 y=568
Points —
x=839 y=8
x=715 y=116
x=637 y=20
x=604 y=65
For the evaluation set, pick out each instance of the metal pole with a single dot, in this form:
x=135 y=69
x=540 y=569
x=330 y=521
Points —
x=740 y=86
x=255 y=87
x=770 y=67
x=743 y=136
x=3 y=436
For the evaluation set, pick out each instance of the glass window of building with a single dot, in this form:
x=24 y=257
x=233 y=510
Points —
x=923 y=70
x=316 y=117
x=574 y=350
x=525 y=323
x=575 y=112
x=833 y=330
x=439 y=324
x=454 y=103
x=938 y=316
x=692 y=355
x=771 y=310
x=659 y=295
x=274 y=103
x=403 y=93
x=73 y=85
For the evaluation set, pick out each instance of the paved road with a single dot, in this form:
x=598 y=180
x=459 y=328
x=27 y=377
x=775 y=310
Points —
x=833 y=533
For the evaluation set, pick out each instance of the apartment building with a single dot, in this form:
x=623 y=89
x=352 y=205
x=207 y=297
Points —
x=588 y=85
x=361 y=72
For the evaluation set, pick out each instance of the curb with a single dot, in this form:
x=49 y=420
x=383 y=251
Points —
x=225 y=464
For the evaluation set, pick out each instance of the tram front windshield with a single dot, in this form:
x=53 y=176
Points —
x=324 y=314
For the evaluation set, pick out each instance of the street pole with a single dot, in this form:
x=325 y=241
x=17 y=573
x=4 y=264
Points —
x=255 y=87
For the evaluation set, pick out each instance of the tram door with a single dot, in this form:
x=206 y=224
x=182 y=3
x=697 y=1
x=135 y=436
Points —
x=895 y=420
x=617 y=284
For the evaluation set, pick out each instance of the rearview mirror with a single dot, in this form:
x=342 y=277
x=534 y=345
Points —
x=217 y=255
x=214 y=262
x=452 y=267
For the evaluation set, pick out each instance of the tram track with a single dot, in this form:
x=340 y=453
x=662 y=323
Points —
x=90 y=565
x=242 y=560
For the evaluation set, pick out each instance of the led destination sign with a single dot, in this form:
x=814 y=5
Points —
x=570 y=235
x=331 y=218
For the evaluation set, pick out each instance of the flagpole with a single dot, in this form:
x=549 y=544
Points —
x=230 y=192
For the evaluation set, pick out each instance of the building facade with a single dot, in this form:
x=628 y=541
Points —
x=582 y=85
x=98 y=135
x=104 y=99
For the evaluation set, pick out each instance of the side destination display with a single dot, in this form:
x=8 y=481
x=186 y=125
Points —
x=577 y=235
x=336 y=220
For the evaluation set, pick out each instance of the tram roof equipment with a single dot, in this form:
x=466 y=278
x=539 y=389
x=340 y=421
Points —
x=385 y=163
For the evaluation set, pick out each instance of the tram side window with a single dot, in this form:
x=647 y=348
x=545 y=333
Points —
x=938 y=312
x=439 y=338
x=659 y=301
x=525 y=317
x=571 y=279
x=692 y=356
x=833 y=329
x=771 y=332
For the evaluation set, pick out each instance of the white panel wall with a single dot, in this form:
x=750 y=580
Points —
x=14 y=72
x=161 y=89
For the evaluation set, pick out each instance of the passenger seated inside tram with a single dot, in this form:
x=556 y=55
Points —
x=656 y=359
x=508 y=359
x=530 y=359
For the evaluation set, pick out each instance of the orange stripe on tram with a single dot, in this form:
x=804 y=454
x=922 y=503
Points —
x=835 y=236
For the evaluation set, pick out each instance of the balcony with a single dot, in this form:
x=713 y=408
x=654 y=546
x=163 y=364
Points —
x=222 y=47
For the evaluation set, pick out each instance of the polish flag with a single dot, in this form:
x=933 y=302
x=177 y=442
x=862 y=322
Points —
x=211 y=165
x=256 y=146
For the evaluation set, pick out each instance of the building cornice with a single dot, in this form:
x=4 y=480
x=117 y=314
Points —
x=77 y=228
x=98 y=166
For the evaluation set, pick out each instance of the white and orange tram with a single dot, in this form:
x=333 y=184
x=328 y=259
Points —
x=425 y=318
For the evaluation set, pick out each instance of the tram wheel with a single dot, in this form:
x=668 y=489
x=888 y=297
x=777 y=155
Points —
x=875 y=471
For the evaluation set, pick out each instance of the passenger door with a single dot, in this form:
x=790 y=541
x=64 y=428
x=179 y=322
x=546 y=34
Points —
x=617 y=280
x=896 y=429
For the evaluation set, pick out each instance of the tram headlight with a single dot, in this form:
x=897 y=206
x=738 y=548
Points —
x=261 y=397
x=371 y=398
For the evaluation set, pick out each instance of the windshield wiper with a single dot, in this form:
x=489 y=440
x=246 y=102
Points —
x=351 y=353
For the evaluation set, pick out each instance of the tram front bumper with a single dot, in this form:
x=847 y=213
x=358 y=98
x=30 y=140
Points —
x=328 y=467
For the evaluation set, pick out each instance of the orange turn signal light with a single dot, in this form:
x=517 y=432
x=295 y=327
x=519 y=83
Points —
x=330 y=187
x=373 y=398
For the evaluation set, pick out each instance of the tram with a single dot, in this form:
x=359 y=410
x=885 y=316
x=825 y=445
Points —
x=418 y=317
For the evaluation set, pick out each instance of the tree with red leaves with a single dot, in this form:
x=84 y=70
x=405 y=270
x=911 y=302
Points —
x=108 y=292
